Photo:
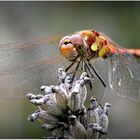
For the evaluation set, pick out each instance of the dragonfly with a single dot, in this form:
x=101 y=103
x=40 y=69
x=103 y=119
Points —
x=76 y=50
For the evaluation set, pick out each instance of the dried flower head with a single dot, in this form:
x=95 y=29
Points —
x=62 y=110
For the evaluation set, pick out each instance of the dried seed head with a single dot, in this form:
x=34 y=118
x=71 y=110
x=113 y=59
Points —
x=91 y=134
x=106 y=108
x=77 y=96
x=48 y=127
x=76 y=128
x=40 y=101
x=93 y=102
x=96 y=127
x=80 y=86
x=74 y=101
x=60 y=131
x=92 y=116
x=72 y=119
x=99 y=109
x=42 y=88
x=39 y=96
x=52 y=108
x=84 y=78
x=104 y=123
x=31 y=96
x=65 y=87
x=47 y=89
x=83 y=94
x=61 y=99
x=67 y=79
x=61 y=75
x=83 y=116
x=44 y=117
x=93 y=131
x=33 y=117
x=64 y=79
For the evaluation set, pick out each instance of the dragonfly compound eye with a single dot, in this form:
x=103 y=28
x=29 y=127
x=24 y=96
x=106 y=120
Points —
x=70 y=46
x=76 y=39
x=68 y=51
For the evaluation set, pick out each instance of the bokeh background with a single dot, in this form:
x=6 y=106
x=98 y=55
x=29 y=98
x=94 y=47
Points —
x=22 y=21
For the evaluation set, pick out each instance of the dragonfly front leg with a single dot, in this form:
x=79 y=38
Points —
x=70 y=65
x=75 y=71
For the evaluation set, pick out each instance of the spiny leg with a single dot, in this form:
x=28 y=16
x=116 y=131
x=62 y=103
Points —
x=70 y=65
x=87 y=67
x=97 y=74
x=75 y=71
x=86 y=70
x=101 y=80
x=83 y=68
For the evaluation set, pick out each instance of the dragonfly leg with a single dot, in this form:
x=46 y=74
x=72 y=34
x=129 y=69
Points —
x=75 y=71
x=85 y=69
x=70 y=65
x=97 y=74
x=89 y=70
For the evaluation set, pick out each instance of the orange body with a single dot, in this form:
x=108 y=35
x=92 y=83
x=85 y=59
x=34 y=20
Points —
x=103 y=41
x=91 y=44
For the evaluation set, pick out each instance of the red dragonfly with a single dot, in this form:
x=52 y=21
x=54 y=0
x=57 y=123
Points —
x=35 y=57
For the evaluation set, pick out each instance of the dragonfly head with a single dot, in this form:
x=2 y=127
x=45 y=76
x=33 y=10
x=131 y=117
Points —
x=71 y=47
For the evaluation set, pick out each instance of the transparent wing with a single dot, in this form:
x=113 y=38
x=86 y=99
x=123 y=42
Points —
x=133 y=67
x=129 y=60
x=26 y=66
x=122 y=77
x=124 y=73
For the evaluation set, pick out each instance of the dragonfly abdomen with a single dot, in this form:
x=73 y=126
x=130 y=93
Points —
x=135 y=52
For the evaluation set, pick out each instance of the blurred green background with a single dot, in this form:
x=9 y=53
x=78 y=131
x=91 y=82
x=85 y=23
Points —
x=21 y=21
